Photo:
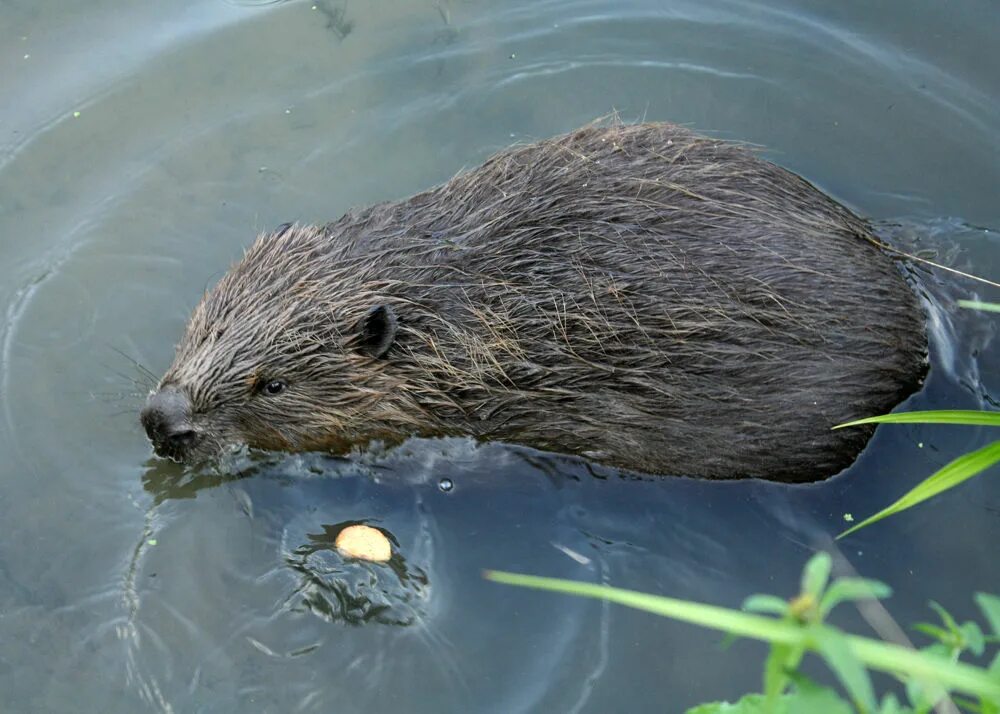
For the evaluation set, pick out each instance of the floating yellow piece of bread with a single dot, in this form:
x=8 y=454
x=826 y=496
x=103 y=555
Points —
x=365 y=543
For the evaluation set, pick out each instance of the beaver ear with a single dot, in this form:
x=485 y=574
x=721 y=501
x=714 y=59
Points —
x=376 y=331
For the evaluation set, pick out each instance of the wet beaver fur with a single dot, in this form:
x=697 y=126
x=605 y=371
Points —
x=640 y=295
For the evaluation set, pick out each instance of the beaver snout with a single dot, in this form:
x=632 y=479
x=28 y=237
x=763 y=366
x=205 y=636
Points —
x=167 y=421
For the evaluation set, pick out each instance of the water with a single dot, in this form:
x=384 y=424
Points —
x=142 y=147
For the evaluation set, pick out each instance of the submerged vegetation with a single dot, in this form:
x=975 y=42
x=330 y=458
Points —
x=929 y=677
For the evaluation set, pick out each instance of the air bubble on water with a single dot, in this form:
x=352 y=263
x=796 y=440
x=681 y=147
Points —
x=446 y=485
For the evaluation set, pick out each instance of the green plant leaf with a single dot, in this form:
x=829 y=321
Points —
x=946 y=619
x=969 y=417
x=810 y=698
x=967 y=705
x=837 y=652
x=922 y=697
x=990 y=605
x=949 y=476
x=977 y=305
x=776 y=668
x=994 y=669
x=816 y=574
x=770 y=604
x=925 y=693
x=934 y=631
x=807 y=699
x=852 y=589
x=987 y=704
x=972 y=638
x=890 y=705
x=825 y=702
x=750 y=704
x=875 y=654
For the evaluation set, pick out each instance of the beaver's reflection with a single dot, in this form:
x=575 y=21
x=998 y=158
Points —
x=167 y=480
x=338 y=588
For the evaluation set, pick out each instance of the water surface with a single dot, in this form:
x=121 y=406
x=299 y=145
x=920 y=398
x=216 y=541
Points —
x=143 y=146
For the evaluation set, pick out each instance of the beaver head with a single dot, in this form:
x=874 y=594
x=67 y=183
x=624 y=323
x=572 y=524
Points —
x=274 y=356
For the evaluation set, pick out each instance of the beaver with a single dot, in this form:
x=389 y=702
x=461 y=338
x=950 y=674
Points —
x=639 y=295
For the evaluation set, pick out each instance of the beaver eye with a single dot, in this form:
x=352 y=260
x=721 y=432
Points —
x=275 y=386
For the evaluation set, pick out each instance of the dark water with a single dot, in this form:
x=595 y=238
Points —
x=142 y=145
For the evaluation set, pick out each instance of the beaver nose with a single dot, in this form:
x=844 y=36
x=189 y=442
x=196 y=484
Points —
x=167 y=421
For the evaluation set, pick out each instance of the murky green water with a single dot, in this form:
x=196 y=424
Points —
x=142 y=146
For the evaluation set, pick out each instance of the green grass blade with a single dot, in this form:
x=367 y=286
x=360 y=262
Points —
x=977 y=305
x=941 y=416
x=881 y=656
x=735 y=622
x=990 y=605
x=964 y=467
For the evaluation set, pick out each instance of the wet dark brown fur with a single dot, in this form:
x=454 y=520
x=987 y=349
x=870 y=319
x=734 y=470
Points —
x=640 y=295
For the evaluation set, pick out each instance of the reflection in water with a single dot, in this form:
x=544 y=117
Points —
x=957 y=336
x=335 y=13
x=313 y=578
x=257 y=543
x=356 y=591
x=166 y=480
x=559 y=468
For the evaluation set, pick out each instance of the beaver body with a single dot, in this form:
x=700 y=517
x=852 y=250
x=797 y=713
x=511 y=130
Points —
x=640 y=295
